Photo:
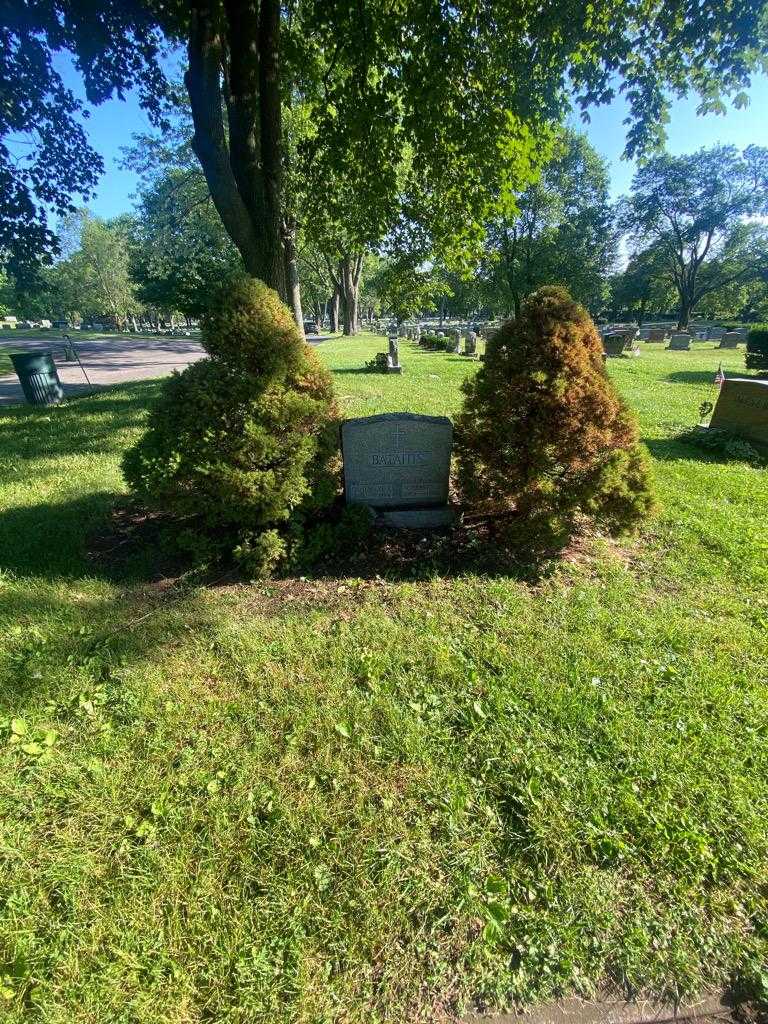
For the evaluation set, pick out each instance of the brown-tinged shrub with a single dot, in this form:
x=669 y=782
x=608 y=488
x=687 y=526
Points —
x=242 y=446
x=543 y=439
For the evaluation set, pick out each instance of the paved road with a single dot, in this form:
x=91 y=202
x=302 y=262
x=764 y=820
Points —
x=109 y=361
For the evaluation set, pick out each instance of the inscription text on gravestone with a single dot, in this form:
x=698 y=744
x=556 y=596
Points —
x=397 y=460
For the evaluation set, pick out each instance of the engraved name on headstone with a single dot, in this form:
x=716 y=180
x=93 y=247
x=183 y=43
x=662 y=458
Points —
x=399 y=462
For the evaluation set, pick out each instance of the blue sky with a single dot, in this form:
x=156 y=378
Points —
x=686 y=131
x=111 y=125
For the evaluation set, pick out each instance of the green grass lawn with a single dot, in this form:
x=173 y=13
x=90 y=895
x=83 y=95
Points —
x=385 y=798
x=6 y=366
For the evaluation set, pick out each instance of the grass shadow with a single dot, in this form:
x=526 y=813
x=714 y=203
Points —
x=732 y=450
x=68 y=540
x=413 y=556
x=89 y=424
x=675 y=449
x=356 y=370
x=702 y=376
x=691 y=377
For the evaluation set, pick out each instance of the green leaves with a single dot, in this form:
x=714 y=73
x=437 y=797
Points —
x=33 y=741
x=322 y=876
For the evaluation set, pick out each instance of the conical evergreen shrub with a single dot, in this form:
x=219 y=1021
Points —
x=543 y=439
x=241 y=446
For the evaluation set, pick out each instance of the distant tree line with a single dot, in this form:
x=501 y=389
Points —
x=694 y=228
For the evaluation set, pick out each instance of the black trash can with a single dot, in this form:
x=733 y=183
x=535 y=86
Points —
x=39 y=377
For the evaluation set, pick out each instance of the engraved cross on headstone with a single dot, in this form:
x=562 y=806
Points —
x=397 y=436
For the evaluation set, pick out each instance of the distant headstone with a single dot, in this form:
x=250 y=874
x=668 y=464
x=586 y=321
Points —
x=456 y=336
x=614 y=344
x=398 y=464
x=470 y=343
x=657 y=333
x=393 y=358
x=742 y=407
x=680 y=342
x=715 y=333
x=730 y=340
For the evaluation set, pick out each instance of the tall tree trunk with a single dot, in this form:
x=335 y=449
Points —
x=349 y=297
x=684 y=311
x=334 y=310
x=242 y=164
x=350 y=269
x=270 y=123
x=292 y=274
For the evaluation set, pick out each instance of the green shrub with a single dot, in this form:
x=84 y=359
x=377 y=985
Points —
x=436 y=343
x=543 y=439
x=242 y=446
x=378 y=364
x=757 y=348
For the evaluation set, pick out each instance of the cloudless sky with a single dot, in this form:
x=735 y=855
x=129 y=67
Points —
x=686 y=131
x=111 y=125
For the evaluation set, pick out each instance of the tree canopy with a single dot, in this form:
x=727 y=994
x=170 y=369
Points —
x=467 y=93
x=694 y=211
x=562 y=234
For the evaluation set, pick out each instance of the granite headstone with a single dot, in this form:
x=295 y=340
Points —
x=398 y=464
x=614 y=344
x=680 y=342
x=742 y=408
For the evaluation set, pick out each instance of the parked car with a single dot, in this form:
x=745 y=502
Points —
x=61 y=325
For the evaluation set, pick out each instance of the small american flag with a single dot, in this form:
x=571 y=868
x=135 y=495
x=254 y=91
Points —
x=720 y=376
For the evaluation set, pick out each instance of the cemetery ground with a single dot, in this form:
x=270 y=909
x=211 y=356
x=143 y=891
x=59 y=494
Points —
x=385 y=795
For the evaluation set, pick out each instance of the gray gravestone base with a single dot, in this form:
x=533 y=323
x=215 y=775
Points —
x=417 y=518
